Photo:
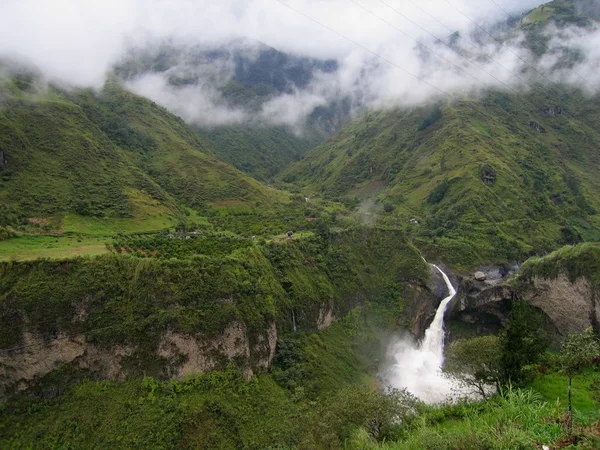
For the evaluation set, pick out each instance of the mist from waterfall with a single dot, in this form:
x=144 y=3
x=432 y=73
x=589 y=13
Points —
x=417 y=366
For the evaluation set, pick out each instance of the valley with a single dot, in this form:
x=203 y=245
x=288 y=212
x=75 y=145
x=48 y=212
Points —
x=225 y=243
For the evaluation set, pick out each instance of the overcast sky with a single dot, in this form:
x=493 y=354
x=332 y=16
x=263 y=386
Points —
x=78 y=40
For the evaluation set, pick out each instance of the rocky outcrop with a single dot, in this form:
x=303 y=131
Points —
x=552 y=110
x=570 y=306
x=35 y=357
x=179 y=355
x=422 y=302
x=537 y=126
x=326 y=317
x=197 y=354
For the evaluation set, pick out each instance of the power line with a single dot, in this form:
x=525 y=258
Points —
x=544 y=43
x=420 y=43
x=368 y=50
x=456 y=51
x=459 y=36
x=501 y=43
x=467 y=59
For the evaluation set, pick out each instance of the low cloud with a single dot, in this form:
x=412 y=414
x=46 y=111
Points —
x=201 y=105
x=80 y=42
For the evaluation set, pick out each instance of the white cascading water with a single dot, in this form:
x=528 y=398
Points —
x=418 y=366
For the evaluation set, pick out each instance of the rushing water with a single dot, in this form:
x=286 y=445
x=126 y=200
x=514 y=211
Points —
x=418 y=366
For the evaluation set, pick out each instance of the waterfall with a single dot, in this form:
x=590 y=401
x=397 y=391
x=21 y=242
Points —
x=433 y=341
x=418 y=366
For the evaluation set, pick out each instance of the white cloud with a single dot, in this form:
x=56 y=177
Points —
x=78 y=42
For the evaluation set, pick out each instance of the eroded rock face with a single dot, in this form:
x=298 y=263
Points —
x=326 y=317
x=422 y=302
x=35 y=358
x=233 y=344
x=181 y=354
x=570 y=307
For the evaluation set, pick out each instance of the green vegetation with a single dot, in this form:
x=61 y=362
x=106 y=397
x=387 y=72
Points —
x=108 y=155
x=120 y=229
x=479 y=183
x=476 y=363
x=28 y=247
x=561 y=12
x=161 y=246
x=261 y=151
x=318 y=392
x=516 y=420
x=187 y=285
x=577 y=354
x=574 y=261
x=522 y=342
x=216 y=410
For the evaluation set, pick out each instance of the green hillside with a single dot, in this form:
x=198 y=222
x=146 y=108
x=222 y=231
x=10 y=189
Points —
x=108 y=155
x=563 y=12
x=498 y=177
x=261 y=151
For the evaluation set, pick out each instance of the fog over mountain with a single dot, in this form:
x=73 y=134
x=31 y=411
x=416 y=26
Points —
x=386 y=51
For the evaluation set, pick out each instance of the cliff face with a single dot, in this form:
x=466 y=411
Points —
x=571 y=306
x=115 y=316
x=563 y=285
x=178 y=355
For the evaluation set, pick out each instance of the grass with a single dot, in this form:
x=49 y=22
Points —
x=553 y=387
x=29 y=247
x=109 y=162
x=109 y=226
x=260 y=151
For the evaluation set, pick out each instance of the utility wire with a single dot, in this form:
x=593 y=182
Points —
x=501 y=43
x=420 y=43
x=458 y=52
x=543 y=43
x=445 y=59
x=383 y=58
x=459 y=36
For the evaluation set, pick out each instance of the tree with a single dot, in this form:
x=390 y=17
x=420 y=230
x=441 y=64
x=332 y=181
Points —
x=475 y=363
x=577 y=353
x=340 y=414
x=523 y=341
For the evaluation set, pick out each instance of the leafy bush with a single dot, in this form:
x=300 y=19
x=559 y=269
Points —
x=431 y=119
x=5 y=234
x=438 y=192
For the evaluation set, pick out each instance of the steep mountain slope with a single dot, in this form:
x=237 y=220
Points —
x=246 y=73
x=500 y=176
x=260 y=151
x=557 y=16
x=113 y=154
x=176 y=157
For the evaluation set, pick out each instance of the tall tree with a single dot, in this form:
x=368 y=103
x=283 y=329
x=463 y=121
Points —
x=475 y=363
x=523 y=341
x=577 y=353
